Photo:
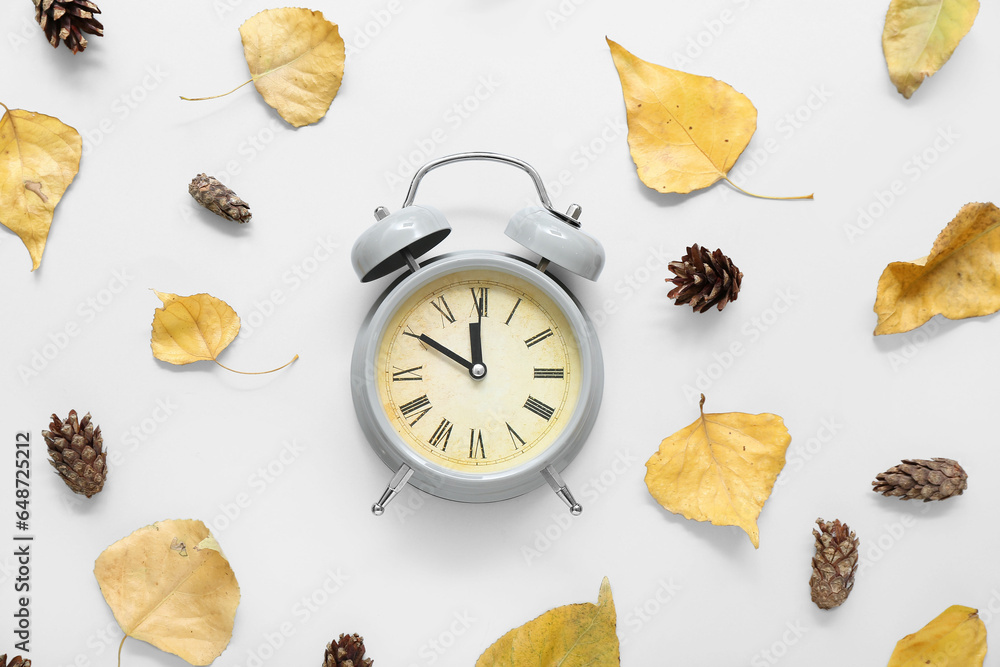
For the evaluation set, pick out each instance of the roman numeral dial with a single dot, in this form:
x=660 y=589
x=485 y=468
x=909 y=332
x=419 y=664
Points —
x=426 y=377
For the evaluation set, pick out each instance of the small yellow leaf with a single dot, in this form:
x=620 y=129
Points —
x=192 y=328
x=958 y=279
x=720 y=468
x=920 y=36
x=39 y=157
x=577 y=635
x=956 y=638
x=296 y=59
x=166 y=588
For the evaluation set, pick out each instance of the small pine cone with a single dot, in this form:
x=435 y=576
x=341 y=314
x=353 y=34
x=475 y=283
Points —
x=77 y=451
x=14 y=662
x=219 y=199
x=68 y=20
x=348 y=652
x=936 y=479
x=704 y=279
x=834 y=565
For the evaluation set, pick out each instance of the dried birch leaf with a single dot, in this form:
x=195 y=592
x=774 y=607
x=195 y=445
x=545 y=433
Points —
x=960 y=277
x=956 y=638
x=721 y=468
x=169 y=584
x=39 y=158
x=577 y=635
x=194 y=328
x=920 y=36
x=685 y=132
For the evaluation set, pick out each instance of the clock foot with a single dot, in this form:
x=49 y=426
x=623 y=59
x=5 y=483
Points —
x=396 y=484
x=555 y=480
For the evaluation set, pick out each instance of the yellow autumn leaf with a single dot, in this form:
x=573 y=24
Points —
x=956 y=638
x=194 y=328
x=685 y=131
x=296 y=61
x=958 y=279
x=920 y=36
x=577 y=635
x=39 y=157
x=720 y=468
x=169 y=584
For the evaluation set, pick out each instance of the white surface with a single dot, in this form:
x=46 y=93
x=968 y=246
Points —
x=549 y=95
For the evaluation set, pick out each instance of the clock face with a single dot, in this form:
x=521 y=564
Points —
x=479 y=371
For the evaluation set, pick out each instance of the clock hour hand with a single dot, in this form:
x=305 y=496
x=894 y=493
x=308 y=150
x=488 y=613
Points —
x=478 y=369
x=424 y=338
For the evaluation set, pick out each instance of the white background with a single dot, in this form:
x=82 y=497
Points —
x=436 y=582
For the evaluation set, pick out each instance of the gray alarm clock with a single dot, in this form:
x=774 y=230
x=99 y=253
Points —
x=477 y=376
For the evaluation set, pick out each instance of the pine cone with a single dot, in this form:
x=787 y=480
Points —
x=348 y=652
x=219 y=199
x=936 y=479
x=834 y=565
x=77 y=452
x=14 y=662
x=68 y=20
x=704 y=279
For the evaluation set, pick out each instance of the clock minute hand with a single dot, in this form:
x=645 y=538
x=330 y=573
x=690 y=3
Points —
x=445 y=351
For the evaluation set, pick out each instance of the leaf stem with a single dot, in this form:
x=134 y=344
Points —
x=765 y=196
x=5 y=107
x=199 y=99
x=257 y=372
x=120 y=650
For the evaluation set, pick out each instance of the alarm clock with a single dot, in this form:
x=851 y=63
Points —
x=477 y=376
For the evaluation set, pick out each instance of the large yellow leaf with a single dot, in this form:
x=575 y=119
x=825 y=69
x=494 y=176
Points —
x=296 y=59
x=192 y=328
x=170 y=585
x=956 y=638
x=959 y=279
x=920 y=36
x=39 y=157
x=685 y=131
x=576 y=635
x=720 y=468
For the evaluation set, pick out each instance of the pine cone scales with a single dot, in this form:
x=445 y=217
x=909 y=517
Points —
x=704 y=279
x=348 y=652
x=14 y=662
x=68 y=20
x=77 y=451
x=217 y=198
x=834 y=565
x=935 y=479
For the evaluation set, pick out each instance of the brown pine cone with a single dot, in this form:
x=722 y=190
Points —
x=14 y=662
x=68 y=20
x=77 y=451
x=348 y=652
x=935 y=479
x=217 y=198
x=834 y=565
x=704 y=279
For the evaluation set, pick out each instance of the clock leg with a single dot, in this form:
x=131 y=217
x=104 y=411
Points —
x=396 y=484
x=555 y=480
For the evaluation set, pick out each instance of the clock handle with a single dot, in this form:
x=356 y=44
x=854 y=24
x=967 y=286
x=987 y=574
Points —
x=555 y=480
x=396 y=485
